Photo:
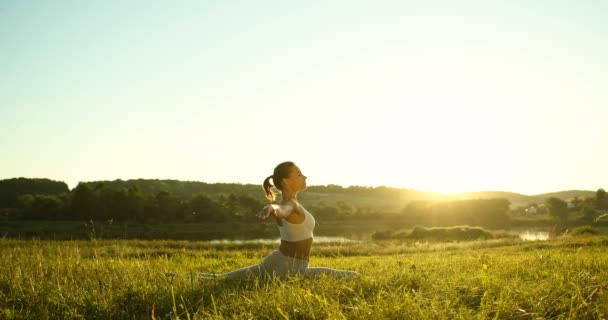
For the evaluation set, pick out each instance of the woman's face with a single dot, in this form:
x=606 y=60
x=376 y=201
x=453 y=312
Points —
x=296 y=180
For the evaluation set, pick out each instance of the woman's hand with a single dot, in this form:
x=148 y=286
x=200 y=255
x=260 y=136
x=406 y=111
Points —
x=275 y=210
x=267 y=211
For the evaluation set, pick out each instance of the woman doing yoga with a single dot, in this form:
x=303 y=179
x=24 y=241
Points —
x=296 y=226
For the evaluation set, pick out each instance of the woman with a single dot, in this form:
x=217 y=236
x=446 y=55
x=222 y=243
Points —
x=296 y=226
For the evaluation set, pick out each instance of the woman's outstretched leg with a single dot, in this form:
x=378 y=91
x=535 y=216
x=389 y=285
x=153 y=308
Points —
x=317 y=271
x=274 y=265
x=251 y=272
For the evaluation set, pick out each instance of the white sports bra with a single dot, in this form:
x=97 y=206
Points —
x=298 y=231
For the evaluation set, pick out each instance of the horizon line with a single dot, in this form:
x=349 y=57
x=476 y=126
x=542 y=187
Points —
x=317 y=185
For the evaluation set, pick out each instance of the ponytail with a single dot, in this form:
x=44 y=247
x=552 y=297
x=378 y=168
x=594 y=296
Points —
x=280 y=172
x=267 y=191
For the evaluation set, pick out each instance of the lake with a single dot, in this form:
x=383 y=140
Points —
x=526 y=234
x=531 y=234
x=539 y=234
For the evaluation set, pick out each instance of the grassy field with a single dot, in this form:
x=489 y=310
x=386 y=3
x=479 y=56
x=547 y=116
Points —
x=126 y=279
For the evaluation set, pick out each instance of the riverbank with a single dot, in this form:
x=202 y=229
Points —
x=349 y=229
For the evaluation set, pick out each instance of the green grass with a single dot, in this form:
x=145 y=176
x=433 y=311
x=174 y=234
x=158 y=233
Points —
x=125 y=279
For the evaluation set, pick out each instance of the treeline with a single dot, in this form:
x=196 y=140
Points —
x=587 y=208
x=118 y=203
x=174 y=201
x=144 y=201
x=12 y=189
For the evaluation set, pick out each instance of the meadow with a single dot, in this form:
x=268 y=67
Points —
x=562 y=278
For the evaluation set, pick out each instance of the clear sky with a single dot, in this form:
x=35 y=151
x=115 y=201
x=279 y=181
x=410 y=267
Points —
x=445 y=96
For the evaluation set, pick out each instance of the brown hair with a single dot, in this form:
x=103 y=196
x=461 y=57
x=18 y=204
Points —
x=280 y=172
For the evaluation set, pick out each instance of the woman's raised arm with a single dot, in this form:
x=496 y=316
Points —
x=277 y=210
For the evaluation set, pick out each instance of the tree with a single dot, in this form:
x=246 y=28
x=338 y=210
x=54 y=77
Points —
x=12 y=189
x=136 y=204
x=47 y=207
x=84 y=202
x=165 y=207
x=417 y=212
x=600 y=194
x=124 y=204
x=323 y=210
x=344 y=208
x=601 y=200
x=577 y=204
x=558 y=209
x=248 y=206
x=588 y=214
x=203 y=208
x=25 y=205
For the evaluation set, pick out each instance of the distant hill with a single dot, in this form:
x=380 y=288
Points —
x=518 y=200
x=569 y=194
x=394 y=199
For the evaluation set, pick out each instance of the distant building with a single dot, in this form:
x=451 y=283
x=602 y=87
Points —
x=531 y=210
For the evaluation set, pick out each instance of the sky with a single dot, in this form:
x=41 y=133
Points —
x=445 y=96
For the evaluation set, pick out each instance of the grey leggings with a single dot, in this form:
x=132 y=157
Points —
x=277 y=264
